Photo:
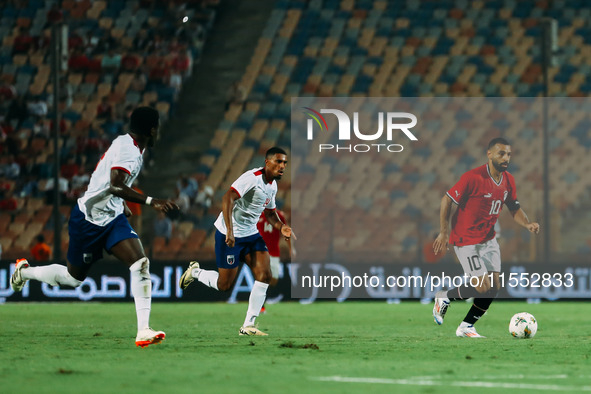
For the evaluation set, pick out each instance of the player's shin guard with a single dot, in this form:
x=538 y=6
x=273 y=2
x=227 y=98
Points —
x=255 y=302
x=141 y=287
x=54 y=274
x=480 y=306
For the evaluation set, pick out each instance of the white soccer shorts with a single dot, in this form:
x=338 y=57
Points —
x=479 y=259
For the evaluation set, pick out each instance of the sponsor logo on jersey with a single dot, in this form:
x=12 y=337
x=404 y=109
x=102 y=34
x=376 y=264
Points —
x=267 y=201
x=505 y=193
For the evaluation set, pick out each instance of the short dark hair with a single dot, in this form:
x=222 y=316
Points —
x=273 y=151
x=143 y=120
x=498 y=140
x=40 y=238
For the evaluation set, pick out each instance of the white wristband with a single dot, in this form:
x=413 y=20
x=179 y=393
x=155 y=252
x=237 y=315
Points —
x=148 y=200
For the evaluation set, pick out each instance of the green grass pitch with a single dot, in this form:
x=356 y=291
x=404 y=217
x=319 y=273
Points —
x=322 y=347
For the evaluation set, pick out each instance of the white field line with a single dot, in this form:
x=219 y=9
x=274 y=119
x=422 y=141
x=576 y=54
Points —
x=426 y=381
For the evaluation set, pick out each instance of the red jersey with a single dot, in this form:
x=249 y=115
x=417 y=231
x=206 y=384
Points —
x=479 y=198
x=270 y=234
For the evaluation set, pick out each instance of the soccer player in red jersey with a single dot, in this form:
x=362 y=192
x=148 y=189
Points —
x=479 y=196
x=272 y=236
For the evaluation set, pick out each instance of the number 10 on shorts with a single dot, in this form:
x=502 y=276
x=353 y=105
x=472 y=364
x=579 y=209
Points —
x=474 y=263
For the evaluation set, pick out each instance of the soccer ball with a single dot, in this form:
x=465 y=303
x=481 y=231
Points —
x=523 y=325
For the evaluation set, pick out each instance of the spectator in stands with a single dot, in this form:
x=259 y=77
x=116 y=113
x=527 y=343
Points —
x=54 y=15
x=90 y=43
x=41 y=251
x=23 y=42
x=236 y=95
x=48 y=189
x=10 y=168
x=138 y=83
x=111 y=62
x=156 y=44
x=130 y=62
x=104 y=109
x=78 y=61
x=18 y=111
x=75 y=40
x=163 y=226
x=41 y=129
x=189 y=186
x=182 y=200
x=81 y=179
x=204 y=199
x=159 y=73
x=141 y=41
x=41 y=42
x=7 y=91
x=175 y=81
x=37 y=107
x=9 y=203
x=105 y=43
x=70 y=168
x=182 y=63
x=30 y=188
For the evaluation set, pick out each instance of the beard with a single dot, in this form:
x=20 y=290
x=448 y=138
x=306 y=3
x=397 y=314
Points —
x=499 y=167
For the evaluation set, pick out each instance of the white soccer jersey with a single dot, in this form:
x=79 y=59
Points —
x=255 y=196
x=98 y=205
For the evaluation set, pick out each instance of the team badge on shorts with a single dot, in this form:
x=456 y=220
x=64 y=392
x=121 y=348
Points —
x=230 y=259
x=87 y=258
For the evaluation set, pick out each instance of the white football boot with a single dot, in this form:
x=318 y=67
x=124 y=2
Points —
x=468 y=331
x=16 y=280
x=440 y=307
x=252 y=331
x=147 y=337
x=187 y=277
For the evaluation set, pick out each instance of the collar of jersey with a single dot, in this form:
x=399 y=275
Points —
x=136 y=144
x=491 y=177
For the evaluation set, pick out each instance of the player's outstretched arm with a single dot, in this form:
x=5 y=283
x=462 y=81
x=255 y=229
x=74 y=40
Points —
x=521 y=218
x=440 y=243
x=227 y=207
x=119 y=188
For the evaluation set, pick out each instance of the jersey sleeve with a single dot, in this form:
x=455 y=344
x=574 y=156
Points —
x=124 y=159
x=511 y=200
x=244 y=183
x=272 y=203
x=461 y=189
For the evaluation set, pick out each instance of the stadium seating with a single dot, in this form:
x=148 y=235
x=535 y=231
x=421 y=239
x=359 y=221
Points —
x=411 y=48
x=116 y=23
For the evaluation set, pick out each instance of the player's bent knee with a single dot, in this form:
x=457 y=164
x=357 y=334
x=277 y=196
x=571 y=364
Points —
x=264 y=276
x=224 y=286
x=142 y=266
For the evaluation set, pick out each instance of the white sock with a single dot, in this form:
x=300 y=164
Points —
x=141 y=288
x=255 y=302
x=207 y=277
x=54 y=274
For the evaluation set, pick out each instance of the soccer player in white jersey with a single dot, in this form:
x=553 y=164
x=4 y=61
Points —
x=99 y=221
x=237 y=238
